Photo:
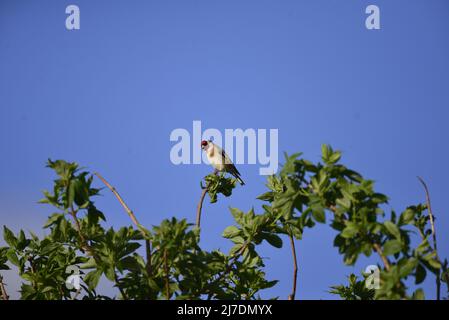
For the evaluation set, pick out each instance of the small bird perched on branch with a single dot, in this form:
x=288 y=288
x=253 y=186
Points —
x=219 y=159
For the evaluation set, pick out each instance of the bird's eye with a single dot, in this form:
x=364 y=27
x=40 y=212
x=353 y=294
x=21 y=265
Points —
x=204 y=143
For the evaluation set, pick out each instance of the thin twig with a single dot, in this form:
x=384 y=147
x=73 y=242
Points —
x=133 y=219
x=84 y=245
x=200 y=203
x=77 y=225
x=3 y=289
x=434 y=237
x=119 y=198
x=295 y=268
x=379 y=251
x=167 y=279
x=431 y=216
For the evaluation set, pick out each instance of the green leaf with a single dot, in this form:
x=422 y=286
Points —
x=326 y=151
x=22 y=238
x=231 y=232
x=418 y=295
x=393 y=229
x=238 y=240
x=273 y=239
x=12 y=257
x=408 y=267
x=423 y=247
x=54 y=218
x=267 y=196
x=27 y=291
x=71 y=194
x=9 y=237
x=81 y=192
x=237 y=214
x=235 y=249
x=407 y=217
x=92 y=278
x=93 y=215
x=434 y=263
x=319 y=214
x=89 y=264
x=128 y=263
x=335 y=157
x=392 y=247
x=47 y=289
x=420 y=274
x=153 y=285
x=344 y=202
x=350 y=230
x=110 y=273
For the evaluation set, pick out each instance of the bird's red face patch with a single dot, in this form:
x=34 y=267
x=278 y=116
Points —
x=203 y=144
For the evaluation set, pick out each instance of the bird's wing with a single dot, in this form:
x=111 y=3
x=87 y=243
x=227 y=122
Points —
x=225 y=157
x=228 y=164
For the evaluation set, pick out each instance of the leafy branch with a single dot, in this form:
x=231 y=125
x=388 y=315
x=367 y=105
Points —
x=434 y=237
x=131 y=214
x=174 y=266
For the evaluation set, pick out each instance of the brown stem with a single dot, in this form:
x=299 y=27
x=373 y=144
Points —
x=119 y=198
x=434 y=237
x=77 y=225
x=379 y=251
x=133 y=219
x=295 y=268
x=136 y=223
x=78 y=228
x=84 y=245
x=200 y=207
x=167 y=279
x=200 y=203
x=3 y=289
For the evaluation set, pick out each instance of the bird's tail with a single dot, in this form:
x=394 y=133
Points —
x=233 y=170
x=240 y=180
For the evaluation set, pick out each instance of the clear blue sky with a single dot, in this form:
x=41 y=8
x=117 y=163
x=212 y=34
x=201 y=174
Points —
x=108 y=96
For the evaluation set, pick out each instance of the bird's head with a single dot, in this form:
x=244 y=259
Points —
x=205 y=145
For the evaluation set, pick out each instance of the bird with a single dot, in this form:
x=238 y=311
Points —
x=220 y=160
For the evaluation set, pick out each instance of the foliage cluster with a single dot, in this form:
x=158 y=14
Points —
x=174 y=266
